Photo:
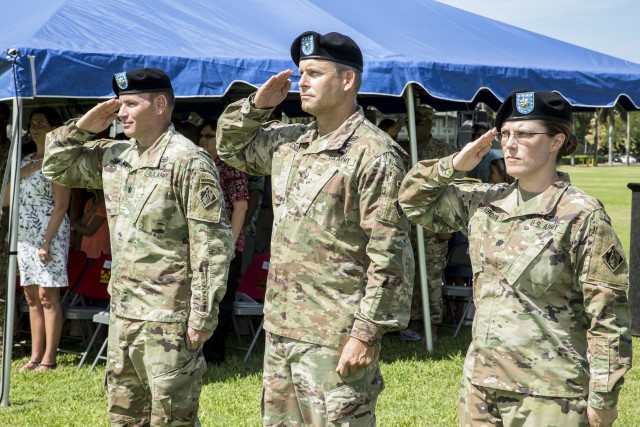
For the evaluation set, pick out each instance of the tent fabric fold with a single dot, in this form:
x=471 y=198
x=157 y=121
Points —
x=457 y=57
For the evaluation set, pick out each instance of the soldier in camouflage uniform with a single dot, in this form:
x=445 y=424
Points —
x=171 y=246
x=341 y=264
x=551 y=338
x=435 y=244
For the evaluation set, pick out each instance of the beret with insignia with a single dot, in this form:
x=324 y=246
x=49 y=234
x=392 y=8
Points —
x=333 y=47
x=141 y=80
x=524 y=104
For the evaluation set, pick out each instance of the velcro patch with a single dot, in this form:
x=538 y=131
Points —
x=613 y=258
x=207 y=196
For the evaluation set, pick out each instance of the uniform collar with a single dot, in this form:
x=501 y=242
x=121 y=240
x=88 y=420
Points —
x=336 y=139
x=542 y=204
x=152 y=156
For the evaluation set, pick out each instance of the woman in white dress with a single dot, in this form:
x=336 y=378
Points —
x=43 y=246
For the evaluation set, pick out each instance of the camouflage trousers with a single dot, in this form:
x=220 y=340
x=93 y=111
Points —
x=483 y=406
x=302 y=388
x=152 y=379
x=435 y=259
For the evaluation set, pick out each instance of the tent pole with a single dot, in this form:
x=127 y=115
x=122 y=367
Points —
x=15 y=154
x=426 y=312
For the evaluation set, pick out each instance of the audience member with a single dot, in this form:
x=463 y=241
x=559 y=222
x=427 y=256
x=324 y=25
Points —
x=435 y=244
x=93 y=227
x=256 y=188
x=236 y=196
x=392 y=127
x=43 y=245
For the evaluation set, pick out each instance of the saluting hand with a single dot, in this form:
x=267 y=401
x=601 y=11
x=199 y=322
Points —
x=274 y=91
x=99 y=117
x=469 y=157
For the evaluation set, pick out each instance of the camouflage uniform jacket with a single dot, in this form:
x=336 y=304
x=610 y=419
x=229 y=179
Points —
x=170 y=236
x=341 y=262
x=550 y=282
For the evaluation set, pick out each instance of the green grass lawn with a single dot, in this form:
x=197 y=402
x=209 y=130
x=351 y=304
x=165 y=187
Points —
x=421 y=388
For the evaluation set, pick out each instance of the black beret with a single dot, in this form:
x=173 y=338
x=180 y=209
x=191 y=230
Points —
x=333 y=47
x=140 y=80
x=525 y=104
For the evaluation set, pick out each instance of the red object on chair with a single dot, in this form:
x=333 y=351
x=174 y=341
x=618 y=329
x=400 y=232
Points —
x=254 y=281
x=95 y=279
x=76 y=264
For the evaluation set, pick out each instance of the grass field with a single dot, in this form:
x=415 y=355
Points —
x=421 y=388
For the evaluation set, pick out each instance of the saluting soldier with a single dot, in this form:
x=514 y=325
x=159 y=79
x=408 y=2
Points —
x=551 y=340
x=341 y=266
x=171 y=246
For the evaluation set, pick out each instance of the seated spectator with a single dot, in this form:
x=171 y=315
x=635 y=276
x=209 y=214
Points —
x=93 y=227
x=236 y=195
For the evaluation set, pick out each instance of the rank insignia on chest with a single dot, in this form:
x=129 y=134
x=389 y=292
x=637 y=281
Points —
x=207 y=196
x=613 y=258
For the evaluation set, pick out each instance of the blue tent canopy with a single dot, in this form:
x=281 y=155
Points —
x=71 y=48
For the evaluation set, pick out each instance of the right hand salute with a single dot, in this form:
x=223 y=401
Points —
x=99 y=117
x=274 y=91
x=469 y=157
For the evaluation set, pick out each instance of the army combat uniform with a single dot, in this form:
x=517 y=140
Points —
x=550 y=281
x=341 y=261
x=171 y=245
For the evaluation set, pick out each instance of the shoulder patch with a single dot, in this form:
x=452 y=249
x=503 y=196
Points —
x=207 y=196
x=613 y=258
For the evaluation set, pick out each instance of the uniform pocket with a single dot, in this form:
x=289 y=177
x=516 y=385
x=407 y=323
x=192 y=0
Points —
x=536 y=269
x=350 y=403
x=177 y=390
x=324 y=201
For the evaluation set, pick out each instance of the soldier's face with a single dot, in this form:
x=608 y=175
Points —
x=528 y=158
x=137 y=114
x=321 y=87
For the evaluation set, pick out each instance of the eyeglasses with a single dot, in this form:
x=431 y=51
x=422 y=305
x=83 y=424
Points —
x=518 y=135
x=207 y=135
x=38 y=125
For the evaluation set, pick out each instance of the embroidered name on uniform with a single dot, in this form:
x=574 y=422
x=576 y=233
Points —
x=488 y=212
x=156 y=174
x=207 y=196
x=613 y=258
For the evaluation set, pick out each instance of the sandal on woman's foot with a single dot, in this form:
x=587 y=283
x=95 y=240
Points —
x=29 y=366
x=43 y=367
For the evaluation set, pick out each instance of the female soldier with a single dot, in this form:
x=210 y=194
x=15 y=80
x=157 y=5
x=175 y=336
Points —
x=550 y=340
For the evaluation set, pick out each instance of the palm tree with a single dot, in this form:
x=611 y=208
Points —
x=608 y=115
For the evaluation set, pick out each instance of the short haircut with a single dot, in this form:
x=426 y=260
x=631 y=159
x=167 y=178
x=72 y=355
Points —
x=340 y=68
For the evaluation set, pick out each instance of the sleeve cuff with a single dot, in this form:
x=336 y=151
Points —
x=603 y=400
x=446 y=170
x=76 y=133
x=201 y=322
x=366 y=332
